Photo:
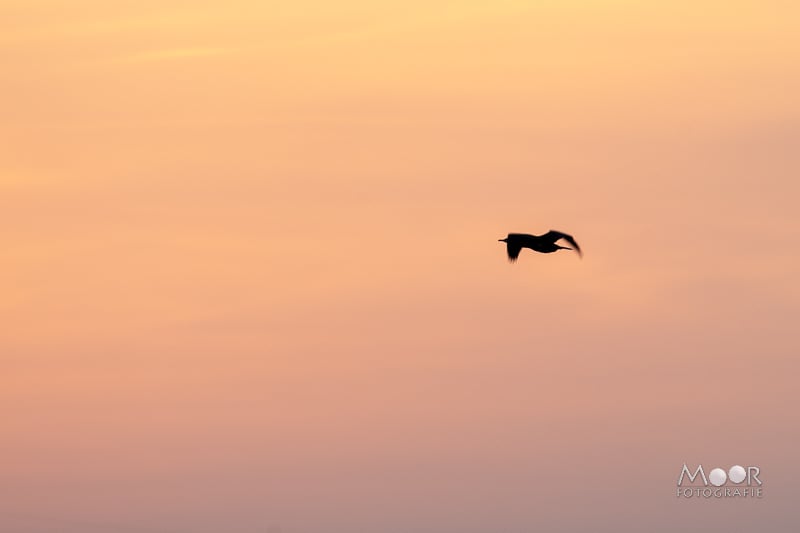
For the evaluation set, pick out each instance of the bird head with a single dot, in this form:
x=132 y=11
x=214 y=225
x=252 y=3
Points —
x=568 y=248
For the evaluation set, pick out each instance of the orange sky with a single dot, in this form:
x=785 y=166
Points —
x=251 y=279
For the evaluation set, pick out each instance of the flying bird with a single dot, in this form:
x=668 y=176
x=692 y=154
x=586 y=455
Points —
x=545 y=244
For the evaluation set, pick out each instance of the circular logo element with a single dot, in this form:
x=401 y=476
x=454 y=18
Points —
x=737 y=474
x=717 y=477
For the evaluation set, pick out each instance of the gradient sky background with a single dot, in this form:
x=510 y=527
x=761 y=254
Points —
x=251 y=281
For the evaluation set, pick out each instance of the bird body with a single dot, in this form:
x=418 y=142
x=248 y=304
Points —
x=545 y=244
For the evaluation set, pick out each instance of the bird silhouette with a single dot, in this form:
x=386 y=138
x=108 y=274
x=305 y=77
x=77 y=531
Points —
x=545 y=244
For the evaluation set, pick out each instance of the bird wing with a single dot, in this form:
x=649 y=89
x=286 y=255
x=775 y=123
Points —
x=513 y=250
x=554 y=236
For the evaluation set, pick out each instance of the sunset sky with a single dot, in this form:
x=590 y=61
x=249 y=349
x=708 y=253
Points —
x=251 y=279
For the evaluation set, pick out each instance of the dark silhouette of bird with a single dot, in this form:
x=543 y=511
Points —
x=545 y=244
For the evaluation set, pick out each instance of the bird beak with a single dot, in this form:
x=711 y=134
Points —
x=502 y=240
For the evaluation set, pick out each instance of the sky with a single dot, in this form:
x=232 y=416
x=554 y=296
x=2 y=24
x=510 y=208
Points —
x=251 y=279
